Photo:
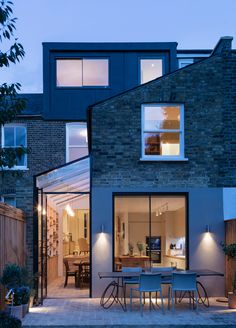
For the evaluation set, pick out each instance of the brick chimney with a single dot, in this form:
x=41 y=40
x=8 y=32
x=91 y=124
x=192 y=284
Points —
x=223 y=46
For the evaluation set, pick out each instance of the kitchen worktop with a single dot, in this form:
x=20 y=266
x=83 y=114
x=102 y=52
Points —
x=179 y=257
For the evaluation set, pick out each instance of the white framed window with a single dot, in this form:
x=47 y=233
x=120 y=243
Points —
x=185 y=62
x=82 y=72
x=76 y=141
x=15 y=136
x=150 y=69
x=162 y=132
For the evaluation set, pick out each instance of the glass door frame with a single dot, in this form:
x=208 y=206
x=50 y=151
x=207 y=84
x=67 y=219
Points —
x=149 y=195
x=40 y=225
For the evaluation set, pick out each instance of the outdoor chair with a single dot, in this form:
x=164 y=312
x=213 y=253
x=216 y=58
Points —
x=166 y=278
x=148 y=283
x=185 y=282
x=69 y=273
x=131 y=280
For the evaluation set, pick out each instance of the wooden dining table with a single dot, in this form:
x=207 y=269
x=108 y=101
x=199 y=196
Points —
x=112 y=293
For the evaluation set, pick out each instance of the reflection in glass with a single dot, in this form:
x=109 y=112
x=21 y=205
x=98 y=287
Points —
x=95 y=72
x=69 y=72
x=82 y=72
x=77 y=141
x=77 y=152
x=9 y=137
x=164 y=144
x=161 y=117
x=78 y=135
x=150 y=69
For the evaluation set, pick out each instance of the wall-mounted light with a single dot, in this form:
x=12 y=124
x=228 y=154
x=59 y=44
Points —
x=207 y=228
x=102 y=228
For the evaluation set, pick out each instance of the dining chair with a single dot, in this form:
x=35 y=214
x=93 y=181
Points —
x=148 y=282
x=166 y=278
x=84 y=275
x=69 y=273
x=185 y=282
x=131 y=280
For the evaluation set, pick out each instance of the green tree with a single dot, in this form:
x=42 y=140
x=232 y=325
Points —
x=11 y=104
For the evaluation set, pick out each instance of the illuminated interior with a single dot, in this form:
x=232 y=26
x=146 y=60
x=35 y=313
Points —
x=144 y=223
x=82 y=72
x=64 y=229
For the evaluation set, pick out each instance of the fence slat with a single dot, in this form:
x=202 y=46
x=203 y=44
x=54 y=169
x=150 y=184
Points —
x=12 y=240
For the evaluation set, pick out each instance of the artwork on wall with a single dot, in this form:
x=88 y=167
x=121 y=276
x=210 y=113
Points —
x=123 y=230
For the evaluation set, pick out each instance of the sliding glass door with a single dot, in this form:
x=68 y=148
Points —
x=149 y=231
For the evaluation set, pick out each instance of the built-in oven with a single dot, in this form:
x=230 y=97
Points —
x=153 y=244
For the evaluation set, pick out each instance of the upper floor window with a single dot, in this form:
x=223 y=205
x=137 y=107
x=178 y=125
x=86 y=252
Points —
x=150 y=69
x=162 y=132
x=14 y=136
x=76 y=141
x=82 y=72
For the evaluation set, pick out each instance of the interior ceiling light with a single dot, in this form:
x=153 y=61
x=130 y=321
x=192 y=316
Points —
x=69 y=210
x=162 y=209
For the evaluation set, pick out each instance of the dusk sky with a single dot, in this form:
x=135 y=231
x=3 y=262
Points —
x=193 y=24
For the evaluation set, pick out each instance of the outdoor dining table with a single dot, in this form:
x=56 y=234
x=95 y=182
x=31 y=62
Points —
x=112 y=293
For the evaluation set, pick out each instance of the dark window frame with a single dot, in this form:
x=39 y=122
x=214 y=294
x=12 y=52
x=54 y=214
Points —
x=149 y=195
x=82 y=86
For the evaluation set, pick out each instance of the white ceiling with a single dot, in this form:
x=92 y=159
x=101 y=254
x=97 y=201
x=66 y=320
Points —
x=140 y=204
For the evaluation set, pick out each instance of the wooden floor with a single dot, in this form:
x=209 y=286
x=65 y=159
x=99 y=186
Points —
x=56 y=289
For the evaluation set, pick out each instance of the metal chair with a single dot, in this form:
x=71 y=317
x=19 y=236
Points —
x=131 y=280
x=185 y=282
x=148 y=283
x=166 y=277
x=69 y=273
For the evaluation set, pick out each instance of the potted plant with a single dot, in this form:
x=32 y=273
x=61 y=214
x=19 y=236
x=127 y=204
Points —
x=8 y=321
x=14 y=302
x=16 y=280
x=11 y=276
x=141 y=247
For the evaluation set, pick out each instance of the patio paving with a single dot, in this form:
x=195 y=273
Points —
x=87 y=313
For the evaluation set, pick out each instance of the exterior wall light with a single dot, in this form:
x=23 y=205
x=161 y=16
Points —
x=102 y=228
x=207 y=229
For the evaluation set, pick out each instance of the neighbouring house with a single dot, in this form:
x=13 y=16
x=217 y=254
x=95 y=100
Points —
x=153 y=179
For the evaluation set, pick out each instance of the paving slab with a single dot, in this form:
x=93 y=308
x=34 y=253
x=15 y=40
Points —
x=73 y=313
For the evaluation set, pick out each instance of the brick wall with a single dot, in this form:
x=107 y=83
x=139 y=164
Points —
x=207 y=90
x=47 y=141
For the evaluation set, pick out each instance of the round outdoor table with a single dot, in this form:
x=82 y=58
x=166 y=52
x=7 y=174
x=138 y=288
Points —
x=80 y=264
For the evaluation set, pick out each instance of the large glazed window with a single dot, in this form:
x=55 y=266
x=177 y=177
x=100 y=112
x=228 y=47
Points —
x=150 y=231
x=82 y=72
x=162 y=131
x=76 y=141
x=14 y=136
x=150 y=69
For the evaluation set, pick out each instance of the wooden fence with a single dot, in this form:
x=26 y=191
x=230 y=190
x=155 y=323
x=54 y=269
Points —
x=12 y=239
x=230 y=264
